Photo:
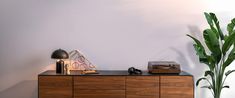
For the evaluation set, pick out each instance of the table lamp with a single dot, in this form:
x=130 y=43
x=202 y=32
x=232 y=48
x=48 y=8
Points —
x=59 y=54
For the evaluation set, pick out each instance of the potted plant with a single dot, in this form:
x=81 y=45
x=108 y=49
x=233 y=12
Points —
x=219 y=55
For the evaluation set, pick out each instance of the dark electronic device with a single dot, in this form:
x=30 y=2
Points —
x=133 y=70
x=163 y=67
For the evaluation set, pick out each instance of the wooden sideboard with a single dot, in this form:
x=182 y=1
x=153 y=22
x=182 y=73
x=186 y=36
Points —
x=115 y=84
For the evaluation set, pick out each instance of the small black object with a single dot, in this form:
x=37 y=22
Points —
x=133 y=70
x=60 y=66
x=60 y=54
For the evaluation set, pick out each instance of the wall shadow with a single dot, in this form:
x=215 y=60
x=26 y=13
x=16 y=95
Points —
x=191 y=62
x=199 y=68
x=24 y=89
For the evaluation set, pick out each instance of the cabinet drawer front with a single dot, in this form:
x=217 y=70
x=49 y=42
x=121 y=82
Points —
x=55 y=87
x=99 y=82
x=99 y=94
x=177 y=87
x=142 y=87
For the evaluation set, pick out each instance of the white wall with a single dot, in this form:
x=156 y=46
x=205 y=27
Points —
x=113 y=34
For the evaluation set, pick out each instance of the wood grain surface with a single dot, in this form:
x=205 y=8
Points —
x=99 y=82
x=142 y=87
x=99 y=87
x=176 y=87
x=55 y=87
x=99 y=94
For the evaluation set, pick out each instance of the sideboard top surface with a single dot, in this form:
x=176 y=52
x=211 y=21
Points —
x=108 y=73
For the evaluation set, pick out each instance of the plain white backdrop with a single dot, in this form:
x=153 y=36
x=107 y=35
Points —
x=113 y=34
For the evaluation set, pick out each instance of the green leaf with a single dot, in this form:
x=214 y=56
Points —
x=208 y=72
x=225 y=37
x=231 y=26
x=207 y=39
x=208 y=18
x=230 y=59
x=228 y=43
x=212 y=43
x=229 y=72
x=200 y=53
x=233 y=20
x=203 y=58
x=197 y=83
x=214 y=18
x=226 y=86
x=209 y=87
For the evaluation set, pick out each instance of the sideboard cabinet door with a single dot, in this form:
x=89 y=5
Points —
x=142 y=87
x=55 y=87
x=99 y=86
x=176 y=87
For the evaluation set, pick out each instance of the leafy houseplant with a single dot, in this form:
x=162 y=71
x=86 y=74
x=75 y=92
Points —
x=220 y=54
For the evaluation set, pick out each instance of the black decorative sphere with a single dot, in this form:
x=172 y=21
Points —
x=60 y=54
